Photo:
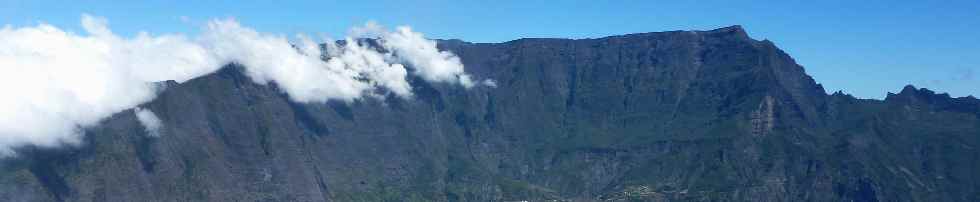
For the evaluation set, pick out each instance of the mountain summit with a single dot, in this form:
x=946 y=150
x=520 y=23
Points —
x=676 y=116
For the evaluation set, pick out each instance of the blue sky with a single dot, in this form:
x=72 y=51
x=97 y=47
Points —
x=864 y=48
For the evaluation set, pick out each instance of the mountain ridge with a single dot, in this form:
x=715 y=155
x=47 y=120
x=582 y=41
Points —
x=736 y=30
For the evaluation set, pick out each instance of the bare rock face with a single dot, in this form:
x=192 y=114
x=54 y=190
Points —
x=763 y=119
x=665 y=116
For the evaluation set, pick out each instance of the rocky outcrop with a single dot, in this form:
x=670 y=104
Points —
x=763 y=119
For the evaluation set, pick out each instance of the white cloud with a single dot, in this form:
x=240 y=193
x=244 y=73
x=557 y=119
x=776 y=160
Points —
x=490 y=83
x=54 y=83
x=371 y=29
x=149 y=120
x=428 y=62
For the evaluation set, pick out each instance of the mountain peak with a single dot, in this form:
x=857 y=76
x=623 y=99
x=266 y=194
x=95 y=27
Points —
x=734 y=30
x=909 y=89
x=910 y=95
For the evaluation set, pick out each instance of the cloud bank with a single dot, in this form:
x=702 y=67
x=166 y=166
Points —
x=55 y=83
x=149 y=120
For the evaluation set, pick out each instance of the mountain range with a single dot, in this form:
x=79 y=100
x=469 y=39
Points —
x=662 y=116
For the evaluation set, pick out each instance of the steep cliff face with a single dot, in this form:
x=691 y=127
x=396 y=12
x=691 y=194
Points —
x=683 y=115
